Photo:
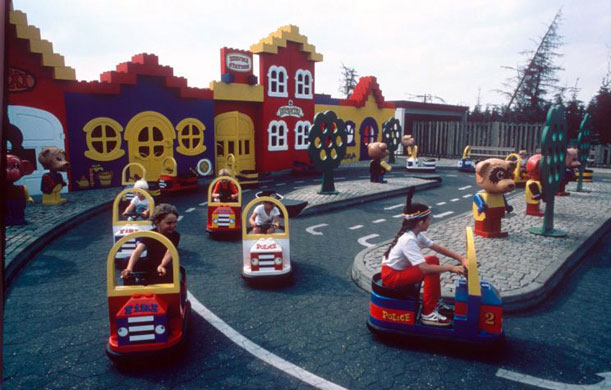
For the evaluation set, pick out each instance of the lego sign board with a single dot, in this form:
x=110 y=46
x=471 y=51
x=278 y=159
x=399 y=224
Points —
x=238 y=62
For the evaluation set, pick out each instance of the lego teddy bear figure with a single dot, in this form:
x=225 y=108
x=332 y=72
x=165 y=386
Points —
x=409 y=143
x=494 y=176
x=16 y=196
x=53 y=159
x=377 y=168
x=533 y=189
x=571 y=161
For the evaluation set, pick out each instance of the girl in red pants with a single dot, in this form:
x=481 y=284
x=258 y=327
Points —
x=404 y=263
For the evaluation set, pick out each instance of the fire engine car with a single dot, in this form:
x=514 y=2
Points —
x=171 y=182
x=123 y=227
x=224 y=217
x=266 y=255
x=146 y=320
x=478 y=309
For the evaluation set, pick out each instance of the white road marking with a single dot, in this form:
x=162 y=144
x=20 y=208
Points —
x=340 y=178
x=443 y=214
x=363 y=177
x=281 y=184
x=452 y=175
x=300 y=181
x=467 y=195
x=440 y=203
x=454 y=200
x=296 y=187
x=355 y=227
x=205 y=203
x=378 y=220
x=265 y=181
x=397 y=215
x=547 y=384
x=312 y=229
x=180 y=218
x=247 y=190
x=363 y=240
x=393 y=207
x=189 y=209
x=606 y=180
x=259 y=352
x=464 y=188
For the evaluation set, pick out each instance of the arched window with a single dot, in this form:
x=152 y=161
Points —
x=276 y=81
x=277 y=134
x=103 y=138
x=350 y=132
x=303 y=84
x=302 y=128
x=190 y=134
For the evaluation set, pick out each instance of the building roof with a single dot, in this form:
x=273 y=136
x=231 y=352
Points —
x=280 y=37
x=429 y=106
x=366 y=86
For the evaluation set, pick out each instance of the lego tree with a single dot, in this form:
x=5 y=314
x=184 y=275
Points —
x=327 y=147
x=551 y=166
x=391 y=136
x=583 y=146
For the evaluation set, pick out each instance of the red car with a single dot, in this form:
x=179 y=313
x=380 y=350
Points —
x=224 y=215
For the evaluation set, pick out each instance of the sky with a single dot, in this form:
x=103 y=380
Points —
x=453 y=50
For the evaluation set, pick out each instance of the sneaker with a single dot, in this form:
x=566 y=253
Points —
x=435 y=319
x=445 y=309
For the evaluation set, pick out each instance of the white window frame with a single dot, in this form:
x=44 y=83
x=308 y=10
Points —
x=306 y=88
x=273 y=131
x=302 y=130
x=350 y=134
x=271 y=80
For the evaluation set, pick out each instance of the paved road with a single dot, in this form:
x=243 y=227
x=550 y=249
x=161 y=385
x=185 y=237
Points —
x=56 y=322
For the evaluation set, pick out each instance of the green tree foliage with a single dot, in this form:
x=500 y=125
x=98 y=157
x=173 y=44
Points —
x=327 y=147
x=600 y=110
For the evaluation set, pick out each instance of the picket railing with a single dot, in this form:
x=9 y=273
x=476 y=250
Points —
x=448 y=139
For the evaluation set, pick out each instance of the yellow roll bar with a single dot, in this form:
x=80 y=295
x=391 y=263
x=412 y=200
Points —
x=252 y=236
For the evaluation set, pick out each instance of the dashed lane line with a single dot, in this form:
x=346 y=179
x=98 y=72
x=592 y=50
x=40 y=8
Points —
x=464 y=188
x=467 y=196
x=440 y=203
x=355 y=227
x=205 y=203
x=393 y=207
x=300 y=181
x=312 y=229
x=247 y=190
x=280 y=184
x=378 y=220
x=363 y=240
x=180 y=217
x=454 y=200
x=190 y=209
x=443 y=214
x=452 y=175
x=259 y=352
x=397 y=215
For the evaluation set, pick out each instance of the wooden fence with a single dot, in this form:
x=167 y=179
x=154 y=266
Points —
x=448 y=139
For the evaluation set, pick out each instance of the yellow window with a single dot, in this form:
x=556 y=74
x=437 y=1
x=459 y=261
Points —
x=190 y=133
x=103 y=138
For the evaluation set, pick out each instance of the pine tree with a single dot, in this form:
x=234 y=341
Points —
x=348 y=81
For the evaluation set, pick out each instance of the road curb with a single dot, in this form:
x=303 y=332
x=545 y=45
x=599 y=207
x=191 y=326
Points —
x=340 y=204
x=23 y=258
x=522 y=298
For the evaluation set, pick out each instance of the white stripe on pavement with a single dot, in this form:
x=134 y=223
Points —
x=443 y=214
x=280 y=184
x=355 y=227
x=363 y=240
x=312 y=229
x=259 y=352
x=454 y=200
x=378 y=220
x=180 y=218
x=300 y=181
x=205 y=203
x=189 y=209
x=467 y=196
x=397 y=215
x=243 y=191
x=393 y=207
x=464 y=188
x=452 y=175
x=440 y=203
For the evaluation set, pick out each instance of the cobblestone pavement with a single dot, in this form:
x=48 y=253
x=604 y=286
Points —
x=522 y=266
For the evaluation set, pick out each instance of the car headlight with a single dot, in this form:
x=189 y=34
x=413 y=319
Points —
x=255 y=261
x=231 y=220
x=160 y=329
x=278 y=260
x=122 y=332
x=215 y=220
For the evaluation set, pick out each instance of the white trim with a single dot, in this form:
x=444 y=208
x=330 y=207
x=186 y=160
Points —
x=306 y=87
x=305 y=130
x=281 y=143
x=270 y=80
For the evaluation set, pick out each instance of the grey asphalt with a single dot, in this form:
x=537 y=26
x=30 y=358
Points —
x=524 y=267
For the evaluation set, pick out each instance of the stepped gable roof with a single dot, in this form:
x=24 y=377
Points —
x=280 y=37
x=141 y=65
x=40 y=46
x=366 y=86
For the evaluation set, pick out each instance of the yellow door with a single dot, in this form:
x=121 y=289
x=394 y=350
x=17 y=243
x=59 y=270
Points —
x=234 y=134
x=150 y=139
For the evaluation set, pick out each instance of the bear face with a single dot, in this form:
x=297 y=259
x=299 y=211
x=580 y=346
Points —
x=16 y=168
x=408 y=140
x=377 y=150
x=571 y=160
x=495 y=175
x=54 y=159
x=532 y=167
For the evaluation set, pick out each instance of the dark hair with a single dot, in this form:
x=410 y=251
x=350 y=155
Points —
x=409 y=224
x=161 y=211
